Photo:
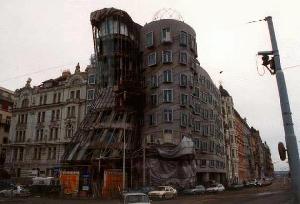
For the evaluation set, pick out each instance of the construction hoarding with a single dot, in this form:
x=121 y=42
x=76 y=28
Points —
x=69 y=181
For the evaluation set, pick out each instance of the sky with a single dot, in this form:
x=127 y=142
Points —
x=40 y=39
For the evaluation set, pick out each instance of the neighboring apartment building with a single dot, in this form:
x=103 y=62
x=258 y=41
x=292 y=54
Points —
x=181 y=101
x=245 y=153
x=258 y=153
x=232 y=159
x=6 y=104
x=44 y=119
x=268 y=164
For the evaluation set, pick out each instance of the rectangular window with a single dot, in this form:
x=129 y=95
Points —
x=168 y=96
x=197 y=143
x=152 y=119
x=197 y=108
x=57 y=114
x=183 y=80
x=45 y=99
x=58 y=98
x=78 y=94
x=183 y=99
x=184 y=119
x=204 y=146
x=183 y=38
x=154 y=100
x=197 y=126
x=69 y=112
x=196 y=92
x=54 y=98
x=90 y=94
x=167 y=76
x=202 y=162
x=55 y=133
x=211 y=163
x=183 y=58
x=211 y=146
x=167 y=56
x=154 y=81
x=205 y=130
x=43 y=116
x=54 y=153
x=41 y=100
x=166 y=35
x=52 y=115
x=168 y=115
x=49 y=152
x=149 y=39
x=73 y=111
x=92 y=79
x=72 y=94
x=152 y=59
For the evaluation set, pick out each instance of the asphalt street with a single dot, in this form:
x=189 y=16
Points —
x=277 y=193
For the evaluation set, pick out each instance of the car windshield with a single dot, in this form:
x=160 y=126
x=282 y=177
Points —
x=136 y=199
x=160 y=188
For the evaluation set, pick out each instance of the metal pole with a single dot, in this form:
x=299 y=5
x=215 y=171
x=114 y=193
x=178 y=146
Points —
x=124 y=149
x=144 y=162
x=290 y=138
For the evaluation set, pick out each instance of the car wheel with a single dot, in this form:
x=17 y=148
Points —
x=163 y=197
x=2 y=195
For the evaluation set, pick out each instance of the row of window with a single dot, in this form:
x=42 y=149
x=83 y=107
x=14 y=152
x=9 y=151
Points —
x=213 y=148
x=211 y=163
x=185 y=39
x=20 y=136
x=22 y=118
x=18 y=154
x=166 y=57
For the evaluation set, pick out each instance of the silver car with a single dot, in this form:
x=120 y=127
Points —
x=137 y=198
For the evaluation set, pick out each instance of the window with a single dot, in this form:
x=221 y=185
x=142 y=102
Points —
x=72 y=94
x=49 y=152
x=90 y=94
x=73 y=111
x=197 y=143
x=154 y=81
x=167 y=56
x=183 y=38
x=149 y=39
x=166 y=35
x=205 y=130
x=43 y=117
x=197 y=108
x=154 y=100
x=204 y=146
x=54 y=98
x=184 y=119
x=92 y=79
x=152 y=59
x=57 y=114
x=78 y=94
x=211 y=146
x=167 y=76
x=168 y=96
x=52 y=115
x=197 y=126
x=55 y=133
x=168 y=115
x=196 y=92
x=152 y=119
x=54 y=153
x=183 y=58
x=203 y=162
x=183 y=99
x=45 y=99
x=183 y=80
x=58 y=98
x=211 y=163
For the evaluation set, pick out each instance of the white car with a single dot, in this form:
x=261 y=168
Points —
x=216 y=188
x=15 y=191
x=163 y=192
x=137 y=198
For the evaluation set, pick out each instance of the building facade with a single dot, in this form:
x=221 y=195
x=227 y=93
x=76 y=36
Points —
x=181 y=100
x=232 y=159
x=44 y=119
x=6 y=104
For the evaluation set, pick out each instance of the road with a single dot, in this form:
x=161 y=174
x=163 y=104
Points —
x=277 y=193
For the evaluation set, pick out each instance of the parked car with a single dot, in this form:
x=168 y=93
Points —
x=237 y=186
x=138 y=198
x=163 y=192
x=264 y=182
x=251 y=183
x=215 y=188
x=16 y=191
x=196 y=190
x=145 y=189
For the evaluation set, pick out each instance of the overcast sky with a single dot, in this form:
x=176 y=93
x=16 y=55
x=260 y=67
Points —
x=39 y=39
